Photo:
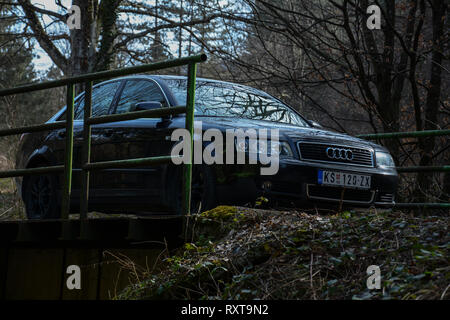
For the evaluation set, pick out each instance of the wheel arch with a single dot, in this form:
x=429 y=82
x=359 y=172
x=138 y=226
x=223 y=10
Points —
x=38 y=158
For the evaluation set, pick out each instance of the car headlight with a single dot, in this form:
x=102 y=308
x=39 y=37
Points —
x=384 y=160
x=281 y=148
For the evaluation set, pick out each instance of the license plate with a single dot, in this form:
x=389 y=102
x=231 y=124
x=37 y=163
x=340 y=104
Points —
x=343 y=179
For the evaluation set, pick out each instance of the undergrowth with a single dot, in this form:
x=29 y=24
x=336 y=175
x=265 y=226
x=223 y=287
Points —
x=241 y=253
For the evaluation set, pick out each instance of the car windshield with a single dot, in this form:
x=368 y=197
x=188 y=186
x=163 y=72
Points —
x=218 y=99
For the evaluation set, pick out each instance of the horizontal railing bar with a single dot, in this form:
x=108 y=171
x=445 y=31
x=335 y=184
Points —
x=30 y=171
x=422 y=205
x=103 y=119
x=104 y=75
x=412 y=134
x=34 y=128
x=155 y=113
x=129 y=163
x=424 y=169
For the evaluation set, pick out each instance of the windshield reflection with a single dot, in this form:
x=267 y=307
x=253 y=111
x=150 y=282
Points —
x=218 y=99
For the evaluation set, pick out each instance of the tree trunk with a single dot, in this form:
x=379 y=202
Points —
x=80 y=40
x=424 y=180
x=107 y=14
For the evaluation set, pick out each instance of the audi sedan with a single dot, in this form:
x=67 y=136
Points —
x=316 y=166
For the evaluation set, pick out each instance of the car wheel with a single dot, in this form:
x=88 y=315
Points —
x=41 y=197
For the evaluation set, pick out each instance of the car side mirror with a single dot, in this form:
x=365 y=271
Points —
x=148 y=105
x=315 y=124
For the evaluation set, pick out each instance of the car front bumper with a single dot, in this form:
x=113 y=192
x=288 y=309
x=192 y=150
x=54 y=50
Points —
x=297 y=182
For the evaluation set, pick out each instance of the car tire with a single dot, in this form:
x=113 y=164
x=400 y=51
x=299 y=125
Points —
x=40 y=194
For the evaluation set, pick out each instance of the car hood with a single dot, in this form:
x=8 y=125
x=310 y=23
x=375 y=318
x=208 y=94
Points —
x=286 y=131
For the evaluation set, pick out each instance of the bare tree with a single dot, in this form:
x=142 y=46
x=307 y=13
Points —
x=105 y=31
x=321 y=54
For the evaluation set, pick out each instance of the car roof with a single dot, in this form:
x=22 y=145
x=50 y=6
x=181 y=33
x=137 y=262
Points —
x=175 y=77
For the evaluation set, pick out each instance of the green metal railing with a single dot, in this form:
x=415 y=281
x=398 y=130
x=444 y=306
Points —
x=87 y=166
x=414 y=134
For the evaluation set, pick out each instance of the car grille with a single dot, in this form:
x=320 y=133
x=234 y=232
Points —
x=335 y=194
x=386 y=197
x=317 y=152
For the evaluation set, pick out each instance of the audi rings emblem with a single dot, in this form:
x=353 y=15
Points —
x=339 y=154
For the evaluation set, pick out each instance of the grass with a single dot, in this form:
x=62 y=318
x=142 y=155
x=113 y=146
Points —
x=241 y=253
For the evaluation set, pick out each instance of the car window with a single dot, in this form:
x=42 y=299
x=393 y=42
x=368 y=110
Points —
x=102 y=96
x=218 y=99
x=136 y=91
x=79 y=109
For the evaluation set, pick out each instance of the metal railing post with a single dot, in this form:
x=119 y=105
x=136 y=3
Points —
x=187 y=168
x=86 y=152
x=65 y=202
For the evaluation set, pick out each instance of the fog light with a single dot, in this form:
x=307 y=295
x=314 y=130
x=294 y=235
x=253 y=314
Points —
x=266 y=185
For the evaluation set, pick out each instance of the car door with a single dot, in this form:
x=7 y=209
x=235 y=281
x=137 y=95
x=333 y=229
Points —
x=137 y=138
x=103 y=96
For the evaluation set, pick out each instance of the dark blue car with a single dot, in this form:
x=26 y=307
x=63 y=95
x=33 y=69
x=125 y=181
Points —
x=316 y=166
